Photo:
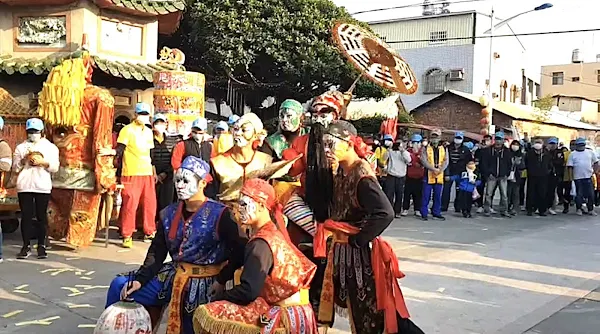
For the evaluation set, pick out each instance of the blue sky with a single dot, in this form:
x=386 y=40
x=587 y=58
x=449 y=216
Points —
x=546 y=49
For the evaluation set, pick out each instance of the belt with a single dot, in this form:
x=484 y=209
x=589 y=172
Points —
x=184 y=272
x=300 y=298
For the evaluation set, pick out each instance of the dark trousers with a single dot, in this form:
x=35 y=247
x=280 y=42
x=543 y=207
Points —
x=413 y=189
x=34 y=203
x=481 y=191
x=563 y=190
x=165 y=192
x=522 y=183
x=394 y=190
x=553 y=181
x=585 y=192
x=446 y=195
x=464 y=199
x=513 y=194
x=537 y=187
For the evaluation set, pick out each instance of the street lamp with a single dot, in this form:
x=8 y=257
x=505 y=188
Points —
x=491 y=33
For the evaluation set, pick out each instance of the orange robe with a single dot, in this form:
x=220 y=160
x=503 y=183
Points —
x=83 y=175
x=283 y=305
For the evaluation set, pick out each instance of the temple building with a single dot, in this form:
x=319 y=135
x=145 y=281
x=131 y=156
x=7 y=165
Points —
x=122 y=37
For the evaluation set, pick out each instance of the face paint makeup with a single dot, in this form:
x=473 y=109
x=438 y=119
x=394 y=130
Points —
x=288 y=120
x=335 y=150
x=186 y=184
x=247 y=210
x=242 y=134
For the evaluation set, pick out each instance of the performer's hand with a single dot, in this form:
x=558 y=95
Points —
x=161 y=177
x=216 y=289
x=135 y=286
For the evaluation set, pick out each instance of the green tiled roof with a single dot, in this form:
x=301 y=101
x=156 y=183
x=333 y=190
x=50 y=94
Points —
x=125 y=70
x=162 y=7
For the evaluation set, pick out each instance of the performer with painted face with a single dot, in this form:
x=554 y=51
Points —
x=231 y=168
x=363 y=277
x=272 y=296
x=291 y=114
x=200 y=236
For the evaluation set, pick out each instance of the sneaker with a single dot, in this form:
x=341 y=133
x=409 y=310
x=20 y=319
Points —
x=505 y=215
x=523 y=208
x=1 y=260
x=479 y=210
x=469 y=215
x=592 y=213
x=579 y=212
x=512 y=212
x=440 y=217
x=487 y=214
x=127 y=242
x=41 y=252
x=424 y=218
x=565 y=210
x=552 y=212
x=148 y=238
x=465 y=215
x=48 y=244
x=492 y=211
x=404 y=213
x=543 y=214
x=24 y=253
x=417 y=213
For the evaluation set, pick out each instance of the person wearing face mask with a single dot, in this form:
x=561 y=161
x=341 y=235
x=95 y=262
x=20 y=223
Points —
x=138 y=176
x=34 y=161
x=205 y=247
x=582 y=163
x=161 y=160
x=435 y=160
x=467 y=185
x=458 y=156
x=398 y=159
x=497 y=166
x=514 y=178
x=198 y=145
x=483 y=147
x=221 y=136
x=414 y=177
x=556 y=175
x=269 y=286
x=381 y=156
x=539 y=166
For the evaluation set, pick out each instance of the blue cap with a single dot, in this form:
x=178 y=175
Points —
x=459 y=134
x=160 y=117
x=553 y=140
x=196 y=166
x=416 y=138
x=388 y=137
x=469 y=145
x=1 y=123
x=200 y=123
x=499 y=134
x=222 y=125
x=580 y=141
x=232 y=119
x=34 y=124
x=142 y=108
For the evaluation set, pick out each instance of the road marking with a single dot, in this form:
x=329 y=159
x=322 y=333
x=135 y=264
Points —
x=86 y=326
x=123 y=250
x=44 y=322
x=89 y=287
x=86 y=278
x=21 y=287
x=441 y=290
x=56 y=271
x=23 y=292
x=484 y=229
x=72 y=258
x=480 y=244
x=90 y=273
x=71 y=305
x=12 y=314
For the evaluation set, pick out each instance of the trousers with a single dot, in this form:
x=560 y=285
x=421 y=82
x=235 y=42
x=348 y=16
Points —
x=446 y=195
x=513 y=195
x=138 y=189
x=34 y=203
x=413 y=189
x=490 y=188
x=394 y=190
x=437 y=199
x=465 y=201
x=585 y=191
x=537 y=186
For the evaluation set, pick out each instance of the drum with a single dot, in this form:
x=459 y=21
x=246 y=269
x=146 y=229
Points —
x=179 y=95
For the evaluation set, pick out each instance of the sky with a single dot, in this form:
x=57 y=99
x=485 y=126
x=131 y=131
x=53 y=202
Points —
x=544 y=50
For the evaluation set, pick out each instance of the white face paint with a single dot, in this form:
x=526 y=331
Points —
x=242 y=134
x=186 y=184
x=247 y=207
x=288 y=120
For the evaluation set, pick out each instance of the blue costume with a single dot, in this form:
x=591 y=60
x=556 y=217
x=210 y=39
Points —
x=467 y=183
x=200 y=244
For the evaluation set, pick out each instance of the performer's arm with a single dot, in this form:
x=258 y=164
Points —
x=5 y=157
x=379 y=211
x=157 y=253
x=177 y=156
x=235 y=242
x=258 y=262
x=212 y=189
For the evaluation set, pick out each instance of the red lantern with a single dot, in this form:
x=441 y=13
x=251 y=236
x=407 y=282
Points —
x=485 y=112
x=484 y=121
x=483 y=132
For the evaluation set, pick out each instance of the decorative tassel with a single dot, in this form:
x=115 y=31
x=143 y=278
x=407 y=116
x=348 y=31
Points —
x=205 y=322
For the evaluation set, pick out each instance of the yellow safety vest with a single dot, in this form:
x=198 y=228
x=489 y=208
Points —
x=431 y=178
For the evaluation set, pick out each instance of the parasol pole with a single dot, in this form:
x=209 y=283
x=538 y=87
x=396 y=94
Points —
x=355 y=83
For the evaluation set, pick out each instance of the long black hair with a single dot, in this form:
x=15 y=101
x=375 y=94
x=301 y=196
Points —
x=319 y=176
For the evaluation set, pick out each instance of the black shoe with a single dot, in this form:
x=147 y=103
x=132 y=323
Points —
x=465 y=215
x=24 y=253
x=505 y=215
x=440 y=217
x=41 y=252
x=469 y=215
x=424 y=218
x=566 y=210
x=543 y=214
x=529 y=213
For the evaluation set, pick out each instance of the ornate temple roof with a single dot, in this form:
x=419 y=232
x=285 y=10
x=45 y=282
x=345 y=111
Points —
x=119 y=69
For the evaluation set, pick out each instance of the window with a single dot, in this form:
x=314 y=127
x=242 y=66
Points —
x=41 y=32
x=503 y=87
x=598 y=76
x=438 y=37
x=575 y=79
x=435 y=81
x=513 y=93
x=557 y=78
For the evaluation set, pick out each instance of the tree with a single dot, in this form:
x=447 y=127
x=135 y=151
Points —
x=279 y=48
x=544 y=103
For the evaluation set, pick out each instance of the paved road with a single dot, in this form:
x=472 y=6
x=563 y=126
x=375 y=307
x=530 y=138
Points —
x=528 y=274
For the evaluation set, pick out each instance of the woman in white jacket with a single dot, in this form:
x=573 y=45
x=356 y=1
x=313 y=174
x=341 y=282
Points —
x=34 y=161
x=398 y=159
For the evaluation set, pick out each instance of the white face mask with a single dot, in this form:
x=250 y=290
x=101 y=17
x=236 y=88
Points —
x=387 y=143
x=424 y=143
x=537 y=146
x=247 y=207
x=144 y=119
x=198 y=137
x=186 y=184
x=161 y=128
x=415 y=146
x=515 y=148
x=506 y=144
x=34 y=137
x=458 y=141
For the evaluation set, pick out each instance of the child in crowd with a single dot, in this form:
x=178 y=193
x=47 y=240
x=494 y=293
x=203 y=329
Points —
x=467 y=189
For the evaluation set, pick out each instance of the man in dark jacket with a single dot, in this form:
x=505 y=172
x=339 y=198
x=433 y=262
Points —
x=161 y=160
x=556 y=174
x=539 y=165
x=459 y=156
x=483 y=147
x=498 y=163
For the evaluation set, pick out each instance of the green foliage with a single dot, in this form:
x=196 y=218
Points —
x=278 y=48
x=544 y=103
x=368 y=126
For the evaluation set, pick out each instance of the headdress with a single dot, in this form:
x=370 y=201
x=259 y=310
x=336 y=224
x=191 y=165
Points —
x=253 y=119
x=197 y=166
x=346 y=131
x=292 y=105
x=262 y=192
x=333 y=99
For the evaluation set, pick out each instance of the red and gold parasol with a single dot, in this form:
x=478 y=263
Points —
x=374 y=58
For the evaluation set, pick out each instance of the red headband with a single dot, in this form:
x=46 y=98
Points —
x=262 y=192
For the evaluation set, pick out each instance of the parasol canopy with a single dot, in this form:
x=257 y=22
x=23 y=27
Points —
x=374 y=58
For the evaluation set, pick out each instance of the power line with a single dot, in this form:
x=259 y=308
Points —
x=575 y=82
x=498 y=36
x=440 y=2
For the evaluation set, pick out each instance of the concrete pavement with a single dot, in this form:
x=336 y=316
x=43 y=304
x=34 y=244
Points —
x=481 y=275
